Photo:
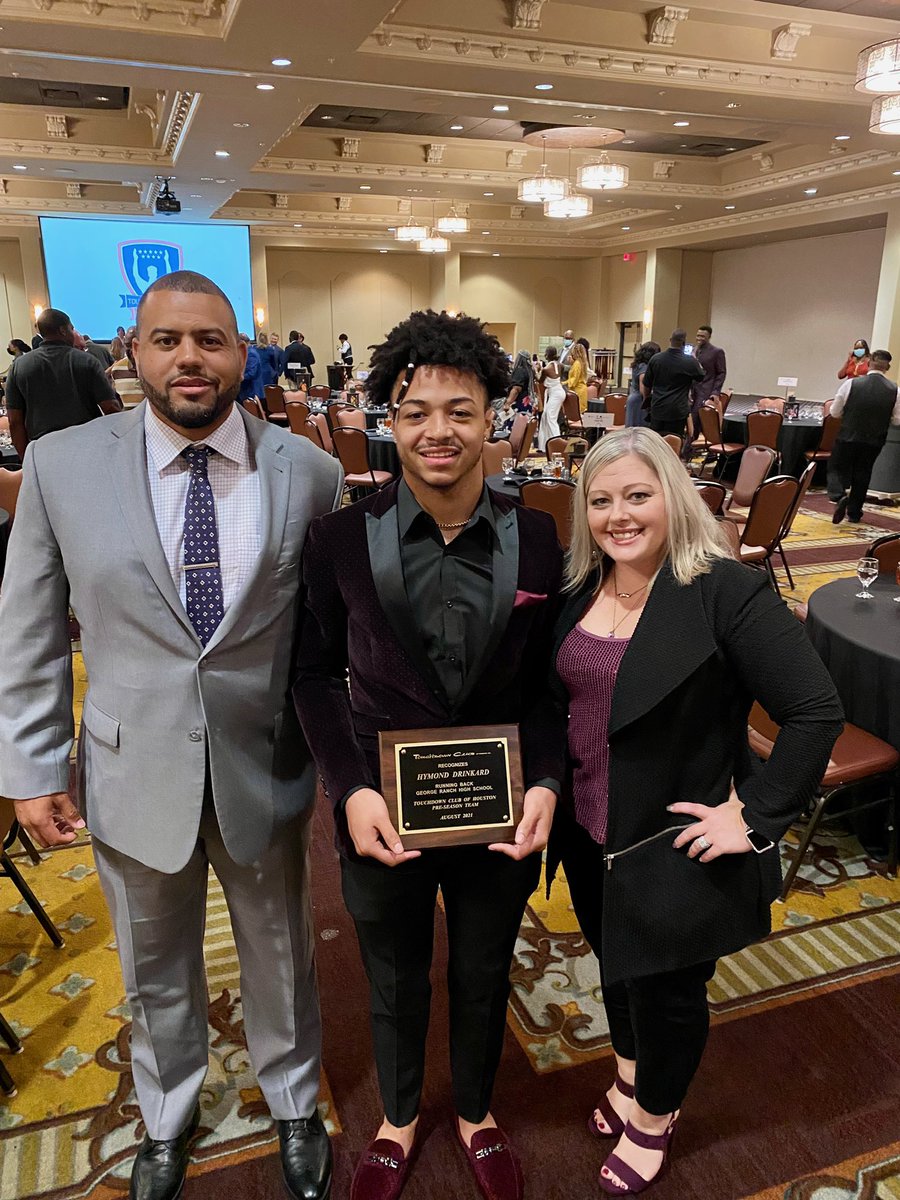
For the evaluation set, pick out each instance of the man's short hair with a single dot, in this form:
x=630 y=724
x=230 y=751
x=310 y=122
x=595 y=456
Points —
x=706 y=329
x=884 y=356
x=432 y=339
x=678 y=338
x=191 y=282
x=53 y=322
x=293 y=335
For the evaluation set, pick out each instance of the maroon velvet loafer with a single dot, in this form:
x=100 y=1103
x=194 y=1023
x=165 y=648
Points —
x=381 y=1171
x=496 y=1168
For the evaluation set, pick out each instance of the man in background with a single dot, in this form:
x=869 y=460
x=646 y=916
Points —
x=102 y=355
x=712 y=359
x=667 y=382
x=300 y=355
x=56 y=385
x=868 y=405
x=276 y=355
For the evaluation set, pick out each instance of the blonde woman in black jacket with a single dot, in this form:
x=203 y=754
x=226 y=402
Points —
x=669 y=828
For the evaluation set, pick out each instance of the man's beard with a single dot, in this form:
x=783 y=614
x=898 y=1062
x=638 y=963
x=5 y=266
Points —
x=190 y=414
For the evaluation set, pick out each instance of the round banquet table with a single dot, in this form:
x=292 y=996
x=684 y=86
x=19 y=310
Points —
x=859 y=642
x=797 y=436
x=383 y=452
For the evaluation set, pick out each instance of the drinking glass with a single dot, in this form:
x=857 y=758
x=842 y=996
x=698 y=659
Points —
x=897 y=598
x=559 y=463
x=547 y=470
x=866 y=573
x=379 y=427
x=508 y=465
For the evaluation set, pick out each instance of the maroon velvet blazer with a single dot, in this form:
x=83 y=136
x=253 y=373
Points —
x=358 y=619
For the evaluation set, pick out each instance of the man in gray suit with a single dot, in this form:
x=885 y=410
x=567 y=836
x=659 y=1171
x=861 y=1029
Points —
x=177 y=529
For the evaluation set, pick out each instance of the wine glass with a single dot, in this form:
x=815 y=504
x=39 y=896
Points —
x=379 y=427
x=866 y=573
x=508 y=465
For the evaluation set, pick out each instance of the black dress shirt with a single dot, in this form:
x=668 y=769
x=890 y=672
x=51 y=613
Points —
x=669 y=377
x=449 y=585
x=56 y=386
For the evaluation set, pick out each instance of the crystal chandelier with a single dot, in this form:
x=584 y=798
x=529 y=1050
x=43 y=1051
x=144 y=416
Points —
x=434 y=243
x=410 y=232
x=452 y=223
x=601 y=175
x=537 y=189
x=570 y=206
x=878 y=68
x=885 y=116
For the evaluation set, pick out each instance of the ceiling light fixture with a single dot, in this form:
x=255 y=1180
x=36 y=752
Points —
x=501 y=108
x=452 y=223
x=222 y=154
x=543 y=87
x=485 y=233
x=570 y=207
x=842 y=137
x=298 y=224
x=885 y=116
x=733 y=104
x=456 y=128
x=365 y=187
x=680 y=124
x=627 y=141
x=434 y=244
x=281 y=62
x=495 y=254
x=730 y=207
x=810 y=191
x=538 y=189
x=626 y=228
x=382 y=251
x=878 y=67
x=601 y=175
x=102 y=99
x=327 y=117
x=410 y=232
x=19 y=167
x=265 y=87
x=487 y=193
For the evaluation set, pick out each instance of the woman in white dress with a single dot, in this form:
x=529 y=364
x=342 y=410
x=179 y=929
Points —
x=554 y=395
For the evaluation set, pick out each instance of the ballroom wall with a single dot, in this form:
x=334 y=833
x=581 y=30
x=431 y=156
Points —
x=795 y=308
x=15 y=318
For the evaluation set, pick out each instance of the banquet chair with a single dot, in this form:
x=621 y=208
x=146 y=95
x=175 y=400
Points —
x=321 y=423
x=571 y=413
x=9 y=831
x=804 y=482
x=756 y=463
x=857 y=757
x=616 y=403
x=352 y=448
x=724 y=399
x=765 y=521
x=297 y=414
x=886 y=549
x=732 y=537
x=712 y=494
x=717 y=450
x=830 y=428
x=527 y=438
x=320 y=391
x=274 y=398
x=553 y=496
x=492 y=456
x=764 y=428
x=571 y=448
x=310 y=430
x=555 y=445
x=773 y=404
x=675 y=443
x=254 y=408
x=10 y=482
x=516 y=434
x=348 y=416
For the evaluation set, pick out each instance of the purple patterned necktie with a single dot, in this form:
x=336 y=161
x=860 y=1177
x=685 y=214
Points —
x=202 y=575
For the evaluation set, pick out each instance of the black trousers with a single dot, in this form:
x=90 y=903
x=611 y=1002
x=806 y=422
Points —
x=664 y=427
x=484 y=896
x=661 y=1021
x=850 y=466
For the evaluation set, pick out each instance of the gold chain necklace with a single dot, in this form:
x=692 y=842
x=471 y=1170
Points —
x=626 y=596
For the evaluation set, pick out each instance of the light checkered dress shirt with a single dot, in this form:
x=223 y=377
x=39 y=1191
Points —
x=235 y=487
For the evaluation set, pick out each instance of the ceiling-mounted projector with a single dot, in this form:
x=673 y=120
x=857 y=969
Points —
x=167 y=203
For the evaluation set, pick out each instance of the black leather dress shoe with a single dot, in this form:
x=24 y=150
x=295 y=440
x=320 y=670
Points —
x=305 y=1158
x=160 y=1167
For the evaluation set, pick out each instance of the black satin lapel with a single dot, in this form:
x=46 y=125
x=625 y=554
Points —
x=383 y=538
x=673 y=638
x=505 y=578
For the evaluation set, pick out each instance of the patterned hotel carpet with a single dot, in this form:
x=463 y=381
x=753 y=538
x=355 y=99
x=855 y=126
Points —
x=797 y=1098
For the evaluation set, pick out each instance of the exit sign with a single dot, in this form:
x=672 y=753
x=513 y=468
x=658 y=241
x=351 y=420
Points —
x=627 y=258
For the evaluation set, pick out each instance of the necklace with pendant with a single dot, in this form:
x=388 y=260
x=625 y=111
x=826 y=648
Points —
x=624 y=596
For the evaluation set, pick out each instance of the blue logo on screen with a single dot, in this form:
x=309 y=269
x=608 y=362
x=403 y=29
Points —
x=143 y=263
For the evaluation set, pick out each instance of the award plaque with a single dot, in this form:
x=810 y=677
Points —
x=452 y=787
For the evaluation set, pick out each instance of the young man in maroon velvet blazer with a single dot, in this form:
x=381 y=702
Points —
x=438 y=596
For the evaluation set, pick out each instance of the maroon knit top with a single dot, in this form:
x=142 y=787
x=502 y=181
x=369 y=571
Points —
x=588 y=665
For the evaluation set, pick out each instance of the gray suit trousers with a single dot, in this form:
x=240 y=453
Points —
x=159 y=921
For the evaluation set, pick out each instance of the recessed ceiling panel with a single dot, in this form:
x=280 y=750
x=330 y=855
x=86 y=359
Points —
x=43 y=94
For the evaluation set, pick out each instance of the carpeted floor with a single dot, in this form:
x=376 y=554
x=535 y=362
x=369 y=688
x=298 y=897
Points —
x=797 y=1097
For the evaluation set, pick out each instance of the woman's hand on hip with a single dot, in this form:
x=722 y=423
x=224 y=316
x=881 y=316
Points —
x=716 y=831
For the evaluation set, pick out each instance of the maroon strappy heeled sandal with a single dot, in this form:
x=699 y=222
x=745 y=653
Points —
x=608 y=1113
x=635 y=1183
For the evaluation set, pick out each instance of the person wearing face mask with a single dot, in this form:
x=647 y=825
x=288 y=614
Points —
x=857 y=361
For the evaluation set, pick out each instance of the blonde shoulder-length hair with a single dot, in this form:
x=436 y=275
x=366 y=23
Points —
x=694 y=539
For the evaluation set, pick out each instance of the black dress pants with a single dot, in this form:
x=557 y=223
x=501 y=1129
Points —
x=661 y=1021
x=850 y=466
x=484 y=895
x=664 y=427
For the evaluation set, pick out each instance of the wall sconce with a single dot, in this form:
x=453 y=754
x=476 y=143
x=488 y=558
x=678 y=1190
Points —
x=260 y=316
x=38 y=309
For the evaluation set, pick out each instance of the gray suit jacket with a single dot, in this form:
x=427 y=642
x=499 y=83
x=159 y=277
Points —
x=159 y=705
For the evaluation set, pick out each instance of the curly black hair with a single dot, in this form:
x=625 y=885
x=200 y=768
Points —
x=437 y=339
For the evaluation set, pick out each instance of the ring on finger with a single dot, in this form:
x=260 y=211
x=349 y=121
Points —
x=703 y=842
